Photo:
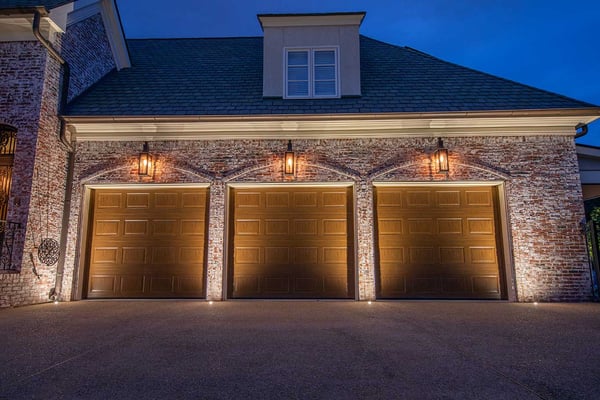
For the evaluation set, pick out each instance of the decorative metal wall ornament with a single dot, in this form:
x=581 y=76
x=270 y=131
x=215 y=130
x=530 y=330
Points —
x=49 y=249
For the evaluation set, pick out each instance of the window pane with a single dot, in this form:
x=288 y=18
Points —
x=298 y=58
x=325 y=57
x=298 y=73
x=325 y=88
x=325 y=73
x=297 y=89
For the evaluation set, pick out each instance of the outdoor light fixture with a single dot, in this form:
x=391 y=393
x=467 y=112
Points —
x=145 y=161
x=441 y=157
x=289 y=159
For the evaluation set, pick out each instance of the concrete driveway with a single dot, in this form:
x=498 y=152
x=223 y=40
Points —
x=300 y=350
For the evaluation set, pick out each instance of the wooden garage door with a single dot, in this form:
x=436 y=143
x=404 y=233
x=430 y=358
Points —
x=438 y=242
x=291 y=243
x=147 y=243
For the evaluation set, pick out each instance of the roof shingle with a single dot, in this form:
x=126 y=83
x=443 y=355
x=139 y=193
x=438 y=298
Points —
x=223 y=76
x=49 y=4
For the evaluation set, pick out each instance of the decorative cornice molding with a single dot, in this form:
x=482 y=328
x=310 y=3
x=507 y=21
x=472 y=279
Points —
x=335 y=126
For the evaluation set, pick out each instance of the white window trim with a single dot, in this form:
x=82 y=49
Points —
x=311 y=66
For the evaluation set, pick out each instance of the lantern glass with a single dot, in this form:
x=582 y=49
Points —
x=441 y=157
x=145 y=161
x=289 y=160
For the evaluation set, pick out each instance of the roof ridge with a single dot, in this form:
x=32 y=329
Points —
x=427 y=55
x=194 y=38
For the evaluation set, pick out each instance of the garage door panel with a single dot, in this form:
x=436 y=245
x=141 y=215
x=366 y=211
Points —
x=277 y=200
x=105 y=255
x=162 y=284
x=486 y=285
x=394 y=285
x=448 y=198
x=102 y=284
x=166 y=200
x=447 y=249
x=107 y=228
x=480 y=226
x=196 y=199
x=290 y=243
x=455 y=284
x=109 y=200
x=132 y=285
x=191 y=284
x=147 y=243
x=277 y=227
x=137 y=200
x=334 y=199
x=449 y=226
x=136 y=227
x=452 y=255
x=478 y=198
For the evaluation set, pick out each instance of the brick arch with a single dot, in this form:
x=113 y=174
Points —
x=461 y=169
x=180 y=172
x=307 y=171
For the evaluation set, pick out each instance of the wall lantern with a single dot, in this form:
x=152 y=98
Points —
x=441 y=157
x=145 y=161
x=289 y=159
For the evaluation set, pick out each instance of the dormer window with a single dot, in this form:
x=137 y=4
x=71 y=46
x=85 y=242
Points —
x=311 y=73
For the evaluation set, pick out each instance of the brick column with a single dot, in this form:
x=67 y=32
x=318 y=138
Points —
x=216 y=235
x=365 y=240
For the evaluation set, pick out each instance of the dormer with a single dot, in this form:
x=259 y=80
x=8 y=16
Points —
x=311 y=56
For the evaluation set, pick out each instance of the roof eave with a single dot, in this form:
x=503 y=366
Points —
x=340 y=126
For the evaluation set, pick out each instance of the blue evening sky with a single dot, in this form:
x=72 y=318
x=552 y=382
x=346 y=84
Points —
x=549 y=44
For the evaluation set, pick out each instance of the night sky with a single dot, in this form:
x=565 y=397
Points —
x=549 y=44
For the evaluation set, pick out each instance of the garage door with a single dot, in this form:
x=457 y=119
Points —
x=291 y=243
x=438 y=242
x=147 y=243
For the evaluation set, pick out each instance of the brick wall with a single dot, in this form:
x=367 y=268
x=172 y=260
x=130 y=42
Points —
x=29 y=94
x=543 y=199
x=87 y=50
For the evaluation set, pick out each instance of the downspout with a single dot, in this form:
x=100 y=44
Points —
x=581 y=129
x=64 y=94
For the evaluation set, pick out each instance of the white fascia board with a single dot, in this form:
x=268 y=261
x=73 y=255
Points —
x=280 y=21
x=83 y=9
x=116 y=36
x=589 y=177
x=18 y=27
x=590 y=151
x=316 y=127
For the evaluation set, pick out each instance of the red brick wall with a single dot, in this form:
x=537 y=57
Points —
x=29 y=94
x=543 y=199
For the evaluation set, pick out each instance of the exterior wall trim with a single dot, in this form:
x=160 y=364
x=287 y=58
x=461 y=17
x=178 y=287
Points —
x=333 y=127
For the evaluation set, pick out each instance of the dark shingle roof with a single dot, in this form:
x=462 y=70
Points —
x=223 y=76
x=49 y=4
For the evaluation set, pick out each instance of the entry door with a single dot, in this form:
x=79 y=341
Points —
x=291 y=242
x=147 y=243
x=438 y=242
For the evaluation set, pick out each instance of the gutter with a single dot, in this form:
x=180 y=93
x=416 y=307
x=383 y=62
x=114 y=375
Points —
x=559 y=112
x=64 y=94
x=581 y=129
